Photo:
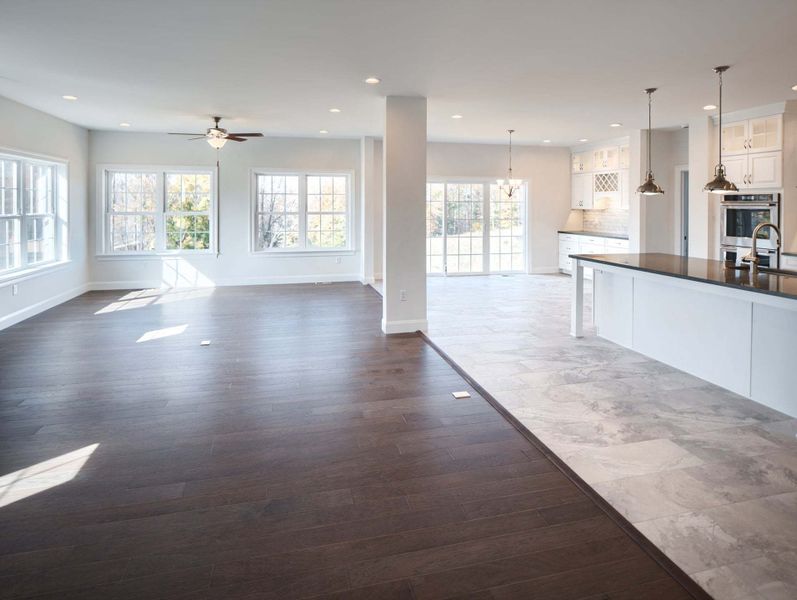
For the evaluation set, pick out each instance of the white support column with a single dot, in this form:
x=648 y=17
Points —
x=577 y=305
x=404 y=238
x=371 y=194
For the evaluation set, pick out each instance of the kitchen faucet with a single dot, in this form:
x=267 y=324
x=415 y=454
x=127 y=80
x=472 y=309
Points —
x=752 y=258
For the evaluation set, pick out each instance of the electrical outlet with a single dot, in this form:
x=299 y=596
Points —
x=337 y=259
x=403 y=295
x=15 y=289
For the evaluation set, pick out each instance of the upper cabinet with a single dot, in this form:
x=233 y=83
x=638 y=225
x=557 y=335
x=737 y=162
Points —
x=606 y=159
x=582 y=162
x=625 y=157
x=581 y=193
x=754 y=152
x=763 y=134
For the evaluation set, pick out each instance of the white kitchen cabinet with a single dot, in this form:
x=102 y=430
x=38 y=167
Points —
x=606 y=159
x=788 y=262
x=734 y=138
x=756 y=170
x=605 y=189
x=624 y=161
x=763 y=134
x=765 y=170
x=581 y=193
x=625 y=189
x=582 y=162
x=570 y=243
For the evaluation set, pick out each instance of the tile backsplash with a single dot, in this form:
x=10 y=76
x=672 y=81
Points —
x=609 y=220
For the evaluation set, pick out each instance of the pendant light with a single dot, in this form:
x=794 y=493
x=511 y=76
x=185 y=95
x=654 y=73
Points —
x=720 y=185
x=649 y=187
x=509 y=185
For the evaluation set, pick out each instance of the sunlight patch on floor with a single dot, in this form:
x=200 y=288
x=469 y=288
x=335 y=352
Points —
x=157 y=334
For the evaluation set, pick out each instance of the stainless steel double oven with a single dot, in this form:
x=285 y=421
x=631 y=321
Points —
x=740 y=213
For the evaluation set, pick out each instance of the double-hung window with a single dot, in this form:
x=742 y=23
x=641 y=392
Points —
x=32 y=213
x=302 y=212
x=157 y=210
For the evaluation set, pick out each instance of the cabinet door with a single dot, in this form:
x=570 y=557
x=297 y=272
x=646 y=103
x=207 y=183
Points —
x=612 y=158
x=765 y=170
x=582 y=162
x=764 y=134
x=736 y=170
x=734 y=138
x=576 y=160
x=624 y=159
x=581 y=195
x=625 y=189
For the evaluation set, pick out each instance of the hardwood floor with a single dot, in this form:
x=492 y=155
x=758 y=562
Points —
x=302 y=454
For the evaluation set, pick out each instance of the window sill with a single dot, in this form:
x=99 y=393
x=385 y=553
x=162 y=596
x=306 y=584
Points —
x=32 y=272
x=156 y=255
x=302 y=253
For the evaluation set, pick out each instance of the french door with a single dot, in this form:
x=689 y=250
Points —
x=474 y=228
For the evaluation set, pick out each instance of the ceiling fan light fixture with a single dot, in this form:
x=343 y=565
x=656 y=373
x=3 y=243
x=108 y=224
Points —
x=217 y=142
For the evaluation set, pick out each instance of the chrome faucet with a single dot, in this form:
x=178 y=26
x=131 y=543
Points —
x=752 y=257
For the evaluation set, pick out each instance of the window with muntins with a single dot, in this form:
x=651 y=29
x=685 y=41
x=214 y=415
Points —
x=148 y=211
x=302 y=212
x=30 y=212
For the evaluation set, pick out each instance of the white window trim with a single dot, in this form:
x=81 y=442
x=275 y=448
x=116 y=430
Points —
x=486 y=205
x=351 y=213
x=63 y=213
x=103 y=233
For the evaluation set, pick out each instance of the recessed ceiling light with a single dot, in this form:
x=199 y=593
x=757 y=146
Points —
x=334 y=110
x=583 y=140
x=794 y=87
x=68 y=97
x=709 y=107
x=323 y=131
x=546 y=141
x=124 y=124
x=372 y=80
x=456 y=116
x=615 y=124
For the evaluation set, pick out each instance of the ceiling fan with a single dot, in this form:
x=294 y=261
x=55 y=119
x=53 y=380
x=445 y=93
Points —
x=217 y=136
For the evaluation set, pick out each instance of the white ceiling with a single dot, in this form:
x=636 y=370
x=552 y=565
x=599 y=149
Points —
x=558 y=69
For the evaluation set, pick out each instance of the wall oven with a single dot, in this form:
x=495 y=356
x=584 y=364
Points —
x=740 y=213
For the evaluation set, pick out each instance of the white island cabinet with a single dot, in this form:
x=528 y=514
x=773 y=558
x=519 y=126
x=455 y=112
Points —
x=587 y=243
x=726 y=326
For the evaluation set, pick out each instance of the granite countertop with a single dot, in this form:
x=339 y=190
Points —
x=606 y=234
x=699 y=269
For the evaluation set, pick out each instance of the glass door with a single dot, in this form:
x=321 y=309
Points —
x=474 y=228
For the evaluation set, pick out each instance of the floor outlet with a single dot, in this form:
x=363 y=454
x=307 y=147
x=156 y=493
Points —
x=15 y=289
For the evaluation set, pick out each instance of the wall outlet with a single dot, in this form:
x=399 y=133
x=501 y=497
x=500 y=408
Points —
x=403 y=295
x=15 y=289
x=337 y=259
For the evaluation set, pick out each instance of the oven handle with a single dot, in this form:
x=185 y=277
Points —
x=748 y=204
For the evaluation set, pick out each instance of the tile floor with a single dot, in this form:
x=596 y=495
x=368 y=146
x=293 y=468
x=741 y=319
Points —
x=707 y=475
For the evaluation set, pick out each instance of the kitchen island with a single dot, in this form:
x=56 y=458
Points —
x=727 y=326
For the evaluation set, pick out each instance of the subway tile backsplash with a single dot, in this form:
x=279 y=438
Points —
x=610 y=220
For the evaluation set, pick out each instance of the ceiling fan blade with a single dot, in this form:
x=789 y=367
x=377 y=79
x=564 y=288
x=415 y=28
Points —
x=186 y=134
x=235 y=138
x=201 y=137
x=247 y=134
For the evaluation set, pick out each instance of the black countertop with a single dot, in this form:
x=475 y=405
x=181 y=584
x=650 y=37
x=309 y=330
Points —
x=617 y=236
x=699 y=269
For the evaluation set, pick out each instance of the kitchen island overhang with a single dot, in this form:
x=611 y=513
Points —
x=723 y=325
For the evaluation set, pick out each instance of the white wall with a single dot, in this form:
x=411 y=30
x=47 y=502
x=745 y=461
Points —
x=235 y=265
x=547 y=171
x=28 y=130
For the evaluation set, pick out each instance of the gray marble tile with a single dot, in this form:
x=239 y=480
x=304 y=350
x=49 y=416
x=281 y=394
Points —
x=726 y=444
x=771 y=577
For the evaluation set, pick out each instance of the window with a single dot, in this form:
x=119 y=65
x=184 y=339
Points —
x=302 y=212
x=473 y=227
x=29 y=212
x=158 y=210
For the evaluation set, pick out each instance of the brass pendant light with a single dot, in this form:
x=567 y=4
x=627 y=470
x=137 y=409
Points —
x=720 y=185
x=649 y=187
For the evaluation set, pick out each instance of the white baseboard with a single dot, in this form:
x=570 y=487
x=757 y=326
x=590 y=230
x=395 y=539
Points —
x=273 y=280
x=544 y=270
x=410 y=326
x=46 y=304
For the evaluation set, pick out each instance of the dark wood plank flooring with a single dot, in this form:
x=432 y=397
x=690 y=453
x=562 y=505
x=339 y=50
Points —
x=302 y=454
